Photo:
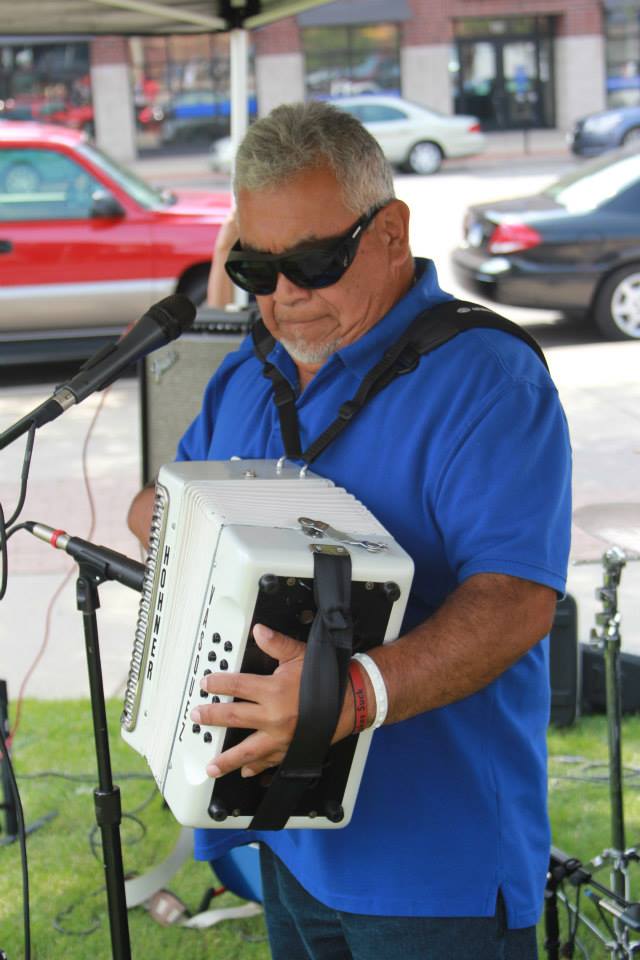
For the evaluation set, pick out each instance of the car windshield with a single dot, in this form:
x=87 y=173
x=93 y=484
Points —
x=590 y=188
x=147 y=196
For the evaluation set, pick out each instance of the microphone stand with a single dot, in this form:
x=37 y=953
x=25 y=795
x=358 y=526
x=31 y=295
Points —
x=106 y=796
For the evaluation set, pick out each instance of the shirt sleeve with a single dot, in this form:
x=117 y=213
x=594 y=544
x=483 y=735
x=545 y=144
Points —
x=503 y=501
x=196 y=440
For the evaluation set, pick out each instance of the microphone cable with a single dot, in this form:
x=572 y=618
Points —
x=7 y=530
x=22 y=839
x=6 y=527
x=69 y=573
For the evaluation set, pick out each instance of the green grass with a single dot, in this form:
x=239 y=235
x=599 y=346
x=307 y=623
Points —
x=580 y=809
x=67 y=880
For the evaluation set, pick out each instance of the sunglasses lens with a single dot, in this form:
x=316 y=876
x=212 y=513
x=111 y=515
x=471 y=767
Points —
x=317 y=268
x=253 y=276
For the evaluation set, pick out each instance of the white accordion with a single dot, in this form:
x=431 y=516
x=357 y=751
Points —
x=234 y=543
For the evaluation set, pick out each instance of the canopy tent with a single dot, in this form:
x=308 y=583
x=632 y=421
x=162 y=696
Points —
x=141 y=17
x=157 y=17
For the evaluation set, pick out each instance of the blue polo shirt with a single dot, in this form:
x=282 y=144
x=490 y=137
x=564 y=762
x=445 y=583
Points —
x=467 y=463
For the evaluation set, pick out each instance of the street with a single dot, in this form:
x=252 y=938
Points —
x=598 y=383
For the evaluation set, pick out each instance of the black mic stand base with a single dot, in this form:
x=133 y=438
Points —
x=8 y=803
x=29 y=828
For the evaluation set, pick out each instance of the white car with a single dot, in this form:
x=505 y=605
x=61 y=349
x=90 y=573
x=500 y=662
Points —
x=412 y=137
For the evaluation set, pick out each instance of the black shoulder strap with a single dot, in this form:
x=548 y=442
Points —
x=461 y=315
x=428 y=331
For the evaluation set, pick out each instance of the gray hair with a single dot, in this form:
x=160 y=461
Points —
x=301 y=136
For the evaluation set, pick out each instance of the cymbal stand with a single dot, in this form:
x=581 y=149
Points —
x=616 y=900
x=607 y=638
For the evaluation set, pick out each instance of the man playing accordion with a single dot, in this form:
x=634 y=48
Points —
x=465 y=459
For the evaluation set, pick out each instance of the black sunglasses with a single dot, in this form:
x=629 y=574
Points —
x=320 y=265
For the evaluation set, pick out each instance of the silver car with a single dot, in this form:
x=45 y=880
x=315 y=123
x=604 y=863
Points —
x=412 y=137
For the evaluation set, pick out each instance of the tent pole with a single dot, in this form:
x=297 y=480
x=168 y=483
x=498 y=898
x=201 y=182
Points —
x=239 y=57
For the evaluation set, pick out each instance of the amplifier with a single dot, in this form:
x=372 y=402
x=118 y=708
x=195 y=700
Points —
x=563 y=663
x=172 y=381
x=593 y=696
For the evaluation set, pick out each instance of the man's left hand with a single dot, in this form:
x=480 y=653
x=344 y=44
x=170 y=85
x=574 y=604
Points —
x=266 y=704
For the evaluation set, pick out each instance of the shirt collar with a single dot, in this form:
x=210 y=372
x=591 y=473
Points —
x=359 y=357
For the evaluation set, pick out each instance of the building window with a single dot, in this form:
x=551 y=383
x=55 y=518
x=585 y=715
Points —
x=345 y=60
x=502 y=71
x=622 y=31
x=48 y=82
x=182 y=89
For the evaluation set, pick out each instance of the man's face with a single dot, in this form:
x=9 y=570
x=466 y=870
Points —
x=312 y=324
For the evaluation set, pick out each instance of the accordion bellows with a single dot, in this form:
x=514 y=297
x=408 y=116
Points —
x=227 y=550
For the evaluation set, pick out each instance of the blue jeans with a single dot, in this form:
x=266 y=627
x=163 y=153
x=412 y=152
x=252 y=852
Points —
x=302 y=928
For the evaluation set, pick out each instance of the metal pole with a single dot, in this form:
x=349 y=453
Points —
x=8 y=804
x=239 y=94
x=609 y=639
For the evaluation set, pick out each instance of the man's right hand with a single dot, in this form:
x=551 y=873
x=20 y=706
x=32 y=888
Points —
x=140 y=513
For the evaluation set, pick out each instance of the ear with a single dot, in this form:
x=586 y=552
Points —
x=392 y=224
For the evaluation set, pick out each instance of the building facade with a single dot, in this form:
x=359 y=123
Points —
x=514 y=64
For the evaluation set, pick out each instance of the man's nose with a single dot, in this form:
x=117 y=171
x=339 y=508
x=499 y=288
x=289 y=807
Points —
x=286 y=291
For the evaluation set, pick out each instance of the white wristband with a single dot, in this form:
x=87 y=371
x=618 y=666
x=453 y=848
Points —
x=379 y=687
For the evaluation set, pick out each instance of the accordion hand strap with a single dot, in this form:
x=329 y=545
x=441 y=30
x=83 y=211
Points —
x=322 y=689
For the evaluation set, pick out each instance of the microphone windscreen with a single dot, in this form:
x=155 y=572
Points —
x=174 y=314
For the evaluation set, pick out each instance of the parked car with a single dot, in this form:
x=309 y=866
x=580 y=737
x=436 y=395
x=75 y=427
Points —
x=573 y=247
x=412 y=137
x=605 y=130
x=43 y=110
x=85 y=245
x=197 y=115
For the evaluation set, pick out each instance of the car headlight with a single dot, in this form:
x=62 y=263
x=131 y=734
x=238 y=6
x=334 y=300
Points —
x=603 y=124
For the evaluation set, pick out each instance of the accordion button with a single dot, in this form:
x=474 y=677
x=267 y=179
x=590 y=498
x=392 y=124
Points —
x=196 y=728
x=391 y=591
x=269 y=583
x=224 y=665
x=204 y=693
x=217 y=812
x=228 y=646
x=216 y=638
x=215 y=699
x=207 y=737
x=212 y=656
x=207 y=672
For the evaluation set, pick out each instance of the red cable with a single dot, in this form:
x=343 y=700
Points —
x=62 y=585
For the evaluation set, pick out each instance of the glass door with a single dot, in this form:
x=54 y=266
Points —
x=505 y=81
x=520 y=95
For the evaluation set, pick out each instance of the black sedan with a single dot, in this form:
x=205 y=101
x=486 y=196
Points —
x=605 y=130
x=574 y=247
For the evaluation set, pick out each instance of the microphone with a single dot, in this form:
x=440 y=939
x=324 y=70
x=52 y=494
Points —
x=111 y=564
x=163 y=322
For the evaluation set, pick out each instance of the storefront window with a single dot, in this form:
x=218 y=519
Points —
x=501 y=72
x=182 y=89
x=340 y=61
x=622 y=25
x=48 y=82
